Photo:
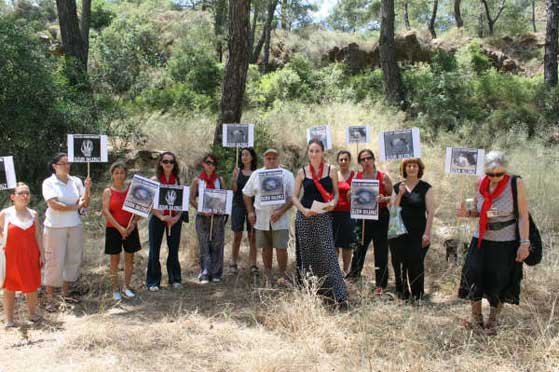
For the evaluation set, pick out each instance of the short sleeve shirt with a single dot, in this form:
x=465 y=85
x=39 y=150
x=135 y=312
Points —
x=264 y=212
x=68 y=193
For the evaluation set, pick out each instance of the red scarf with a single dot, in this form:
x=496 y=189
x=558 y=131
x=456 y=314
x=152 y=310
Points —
x=209 y=180
x=172 y=181
x=326 y=196
x=488 y=198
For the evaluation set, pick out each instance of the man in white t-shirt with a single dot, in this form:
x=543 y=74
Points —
x=272 y=188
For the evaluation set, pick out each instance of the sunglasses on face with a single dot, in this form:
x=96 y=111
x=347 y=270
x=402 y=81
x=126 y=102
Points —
x=62 y=163
x=209 y=162
x=366 y=158
x=496 y=174
x=343 y=159
x=167 y=161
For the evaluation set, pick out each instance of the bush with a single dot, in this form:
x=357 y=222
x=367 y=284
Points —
x=101 y=15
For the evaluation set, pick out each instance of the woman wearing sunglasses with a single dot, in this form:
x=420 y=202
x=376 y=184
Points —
x=209 y=226
x=164 y=222
x=493 y=268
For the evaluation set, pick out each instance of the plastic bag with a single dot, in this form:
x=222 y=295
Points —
x=396 y=225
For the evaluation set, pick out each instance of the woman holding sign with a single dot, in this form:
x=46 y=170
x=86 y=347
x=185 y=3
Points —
x=121 y=230
x=209 y=226
x=19 y=230
x=493 y=265
x=313 y=223
x=415 y=197
x=165 y=222
x=62 y=236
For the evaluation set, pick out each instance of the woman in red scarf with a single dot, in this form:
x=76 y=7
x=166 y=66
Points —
x=167 y=223
x=209 y=226
x=493 y=265
x=313 y=227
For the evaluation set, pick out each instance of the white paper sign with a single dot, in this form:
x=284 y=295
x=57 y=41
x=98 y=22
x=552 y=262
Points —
x=217 y=201
x=356 y=134
x=172 y=198
x=465 y=161
x=238 y=135
x=272 y=190
x=7 y=173
x=321 y=133
x=141 y=193
x=364 y=205
x=400 y=144
x=319 y=207
x=88 y=148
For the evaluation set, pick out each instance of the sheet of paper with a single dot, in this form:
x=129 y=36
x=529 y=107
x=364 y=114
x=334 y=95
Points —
x=318 y=207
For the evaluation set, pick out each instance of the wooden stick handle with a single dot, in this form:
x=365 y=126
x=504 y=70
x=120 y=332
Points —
x=88 y=169
x=363 y=232
x=211 y=226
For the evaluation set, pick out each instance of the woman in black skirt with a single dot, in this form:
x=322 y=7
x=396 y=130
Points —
x=315 y=241
x=493 y=265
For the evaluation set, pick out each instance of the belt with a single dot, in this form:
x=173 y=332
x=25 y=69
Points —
x=499 y=225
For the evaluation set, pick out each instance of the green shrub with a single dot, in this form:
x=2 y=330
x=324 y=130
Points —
x=478 y=60
x=101 y=15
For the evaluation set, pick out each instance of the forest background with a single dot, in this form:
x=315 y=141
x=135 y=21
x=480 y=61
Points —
x=164 y=75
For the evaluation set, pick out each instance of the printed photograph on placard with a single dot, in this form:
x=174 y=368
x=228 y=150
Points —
x=172 y=197
x=321 y=133
x=215 y=201
x=466 y=161
x=400 y=144
x=238 y=135
x=7 y=173
x=83 y=148
x=356 y=134
x=140 y=197
x=271 y=187
x=364 y=203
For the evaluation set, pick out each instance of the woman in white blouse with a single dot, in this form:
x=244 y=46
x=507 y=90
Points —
x=62 y=236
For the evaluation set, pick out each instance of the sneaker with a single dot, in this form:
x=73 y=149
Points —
x=117 y=296
x=129 y=293
x=35 y=318
x=153 y=288
x=216 y=280
x=9 y=324
x=203 y=279
x=254 y=270
x=233 y=269
x=177 y=285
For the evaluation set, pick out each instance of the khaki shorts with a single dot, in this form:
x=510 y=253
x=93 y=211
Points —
x=272 y=238
x=63 y=254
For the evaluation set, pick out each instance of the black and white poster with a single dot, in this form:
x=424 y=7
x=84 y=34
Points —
x=321 y=133
x=364 y=204
x=87 y=148
x=465 y=161
x=357 y=134
x=172 y=198
x=215 y=201
x=272 y=191
x=238 y=135
x=400 y=144
x=141 y=194
x=7 y=173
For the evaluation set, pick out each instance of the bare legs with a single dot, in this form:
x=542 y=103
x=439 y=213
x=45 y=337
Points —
x=237 y=238
x=477 y=317
x=346 y=258
x=128 y=269
x=9 y=305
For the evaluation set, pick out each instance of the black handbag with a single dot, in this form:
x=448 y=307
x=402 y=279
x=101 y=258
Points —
x=536 y=246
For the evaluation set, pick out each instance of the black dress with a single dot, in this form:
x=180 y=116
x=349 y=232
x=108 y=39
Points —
x=239 y=213
x=406 y=250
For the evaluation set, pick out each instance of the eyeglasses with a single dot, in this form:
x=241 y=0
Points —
x=497 y=174
x=366 y=158
x=168 y=161
x=209 y=162
x=343 y=159
x=23 y=193
x=62 y=163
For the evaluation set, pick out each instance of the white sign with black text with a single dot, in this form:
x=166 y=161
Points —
x=88 y=148
x=400 y=144
x=357 y=134
x=364 y=204
x=7 y=173
x=172 y=198
x=216 y=201
x=238 y=135
x=464 y=161
x=272 y=190
x=141 y=193
x=321 y=133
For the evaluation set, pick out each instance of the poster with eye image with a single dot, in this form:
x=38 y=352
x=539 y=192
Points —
x=215 y=201
x=238 y=135
x=400 y=144
x=321 y=133
x=356 y=134
x=87 y=148
x=464 y=161
x=7 y=173
x=141 y=193
x=364 y=205
x=172 y=198
x=272 y=191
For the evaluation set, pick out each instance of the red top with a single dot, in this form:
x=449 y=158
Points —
x=115 y=207
x=343 y=187
x=381 y=190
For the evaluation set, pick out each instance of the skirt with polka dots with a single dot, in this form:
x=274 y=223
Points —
x=317 y=254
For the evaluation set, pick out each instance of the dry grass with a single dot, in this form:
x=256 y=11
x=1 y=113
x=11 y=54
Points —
x=235 y=326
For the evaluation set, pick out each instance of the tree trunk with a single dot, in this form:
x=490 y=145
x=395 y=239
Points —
x=551 y=38
x=480 y=21
x=268 y=34
x=255 y=17
x=407 y=15
x=534 y=16
x=284 y=18
x=219 y=26
x=393 y=87
x=433 y=19
x=235 y=74
x=72 y=41
x=84 y=27
x=259 y=46
x=491 y=21
x=458 y=14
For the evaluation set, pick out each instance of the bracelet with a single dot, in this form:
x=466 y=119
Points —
x=524 y=241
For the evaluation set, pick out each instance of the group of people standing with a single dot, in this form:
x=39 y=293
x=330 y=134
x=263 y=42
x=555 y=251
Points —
x=489 y=270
